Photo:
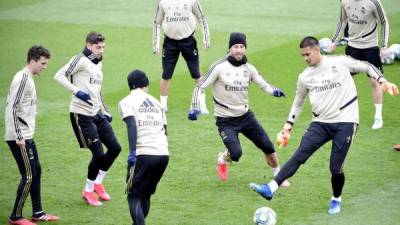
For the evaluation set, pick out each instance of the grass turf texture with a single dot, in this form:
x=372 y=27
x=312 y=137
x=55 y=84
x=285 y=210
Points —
x=190 y=192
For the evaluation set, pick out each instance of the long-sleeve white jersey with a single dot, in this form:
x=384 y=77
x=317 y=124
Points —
x=177 y=18
x=331 y=89
x=361 y=17
x=230 y=87
x=82 y=74
x=20 y=109
x=150 y=120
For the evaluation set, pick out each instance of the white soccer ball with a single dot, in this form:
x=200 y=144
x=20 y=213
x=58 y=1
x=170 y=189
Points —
x=389 y=57
x=395 y=48
x=264 y=216
x=325 y=45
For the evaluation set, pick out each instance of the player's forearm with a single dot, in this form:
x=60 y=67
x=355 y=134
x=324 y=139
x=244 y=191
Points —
x=381 y=15
x=385 y=32
x=196 y=97
x=132 y=131
x=156 y=35
x=297 y=108
x=341 y=25
x=63 y=80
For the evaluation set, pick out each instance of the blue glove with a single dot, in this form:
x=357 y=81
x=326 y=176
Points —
x=132 y=158
x=193 y=114
x=83 y=96
x=278 y=93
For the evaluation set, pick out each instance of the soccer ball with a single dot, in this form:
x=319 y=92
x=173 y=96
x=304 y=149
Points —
x=395 y=48
x=389 y=58
x=264 y=216
x=325 y=45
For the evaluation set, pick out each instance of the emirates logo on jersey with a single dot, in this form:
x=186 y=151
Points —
x=185 y=7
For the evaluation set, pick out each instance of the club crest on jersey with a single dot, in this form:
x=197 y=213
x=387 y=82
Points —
x=362 y=9
x=334 y=69
x=348 y=139
x=245 y=73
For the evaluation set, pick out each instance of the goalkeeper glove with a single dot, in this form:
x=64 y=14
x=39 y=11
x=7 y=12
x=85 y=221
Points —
x=132 y=158
x=84 y=97
x=390 y=88
x=278 y=93
x=193 y=114
x=282 y=138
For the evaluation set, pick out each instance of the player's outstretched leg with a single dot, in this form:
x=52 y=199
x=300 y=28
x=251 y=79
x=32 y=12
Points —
x=263 y=189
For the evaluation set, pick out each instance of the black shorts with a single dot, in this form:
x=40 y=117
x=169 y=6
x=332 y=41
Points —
x=170 y=55
x=88 y=129
x=371 y=55
x=247 y=124
x=147 y=172
x=317 y=134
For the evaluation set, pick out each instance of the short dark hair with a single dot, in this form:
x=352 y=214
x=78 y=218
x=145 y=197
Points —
x=94 y=38
x=36 y=51
x=309 y=41
x=137 y=79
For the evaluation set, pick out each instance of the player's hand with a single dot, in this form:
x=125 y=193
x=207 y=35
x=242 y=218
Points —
x=84 y=97
x=278 y=93
x=390 y=88
x=132 y=158
x=21 y=143
x=156 y=50
x=332 y=47
x=192 y=115
x=384 y=52
x=282 y=138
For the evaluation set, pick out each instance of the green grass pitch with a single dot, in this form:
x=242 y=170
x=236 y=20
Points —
x=190 y=192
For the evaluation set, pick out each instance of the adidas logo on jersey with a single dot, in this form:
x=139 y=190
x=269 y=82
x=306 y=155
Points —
x=148 y=107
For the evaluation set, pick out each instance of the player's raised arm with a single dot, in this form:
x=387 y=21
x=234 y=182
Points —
x=265 y=85
x=357 y=66
x=64 y=76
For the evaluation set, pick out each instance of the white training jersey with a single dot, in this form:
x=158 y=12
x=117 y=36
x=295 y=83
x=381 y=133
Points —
x=20 y=109
x=361 y=17
x=82 y=74
x=230 y=87
x=150 y=120
x=331 y=89
x=178 y=20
